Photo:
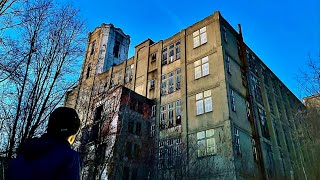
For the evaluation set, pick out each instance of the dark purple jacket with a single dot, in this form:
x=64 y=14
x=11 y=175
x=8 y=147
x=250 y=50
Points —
x=45 y=158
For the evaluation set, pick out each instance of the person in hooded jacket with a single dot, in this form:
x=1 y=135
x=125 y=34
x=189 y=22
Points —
x=50 y=156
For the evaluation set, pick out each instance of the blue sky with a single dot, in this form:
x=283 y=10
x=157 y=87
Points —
x=282 y=33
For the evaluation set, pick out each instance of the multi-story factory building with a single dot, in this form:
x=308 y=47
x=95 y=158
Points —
x=219 y=112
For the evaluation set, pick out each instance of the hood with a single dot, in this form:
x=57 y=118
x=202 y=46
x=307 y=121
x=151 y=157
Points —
x=37 y=147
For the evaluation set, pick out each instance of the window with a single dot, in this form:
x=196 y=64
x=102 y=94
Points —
x=232 y=99
x=264 y=76
x=130 y=126
x=206 y=143
x=98 y=113
x=152 y=84
x=254 y=150
x=171 y=83
x=199 y=37
x=263 y=123
x=178 y=112
x=163 y=85
x=112 y=80
x=138 y=128
x=225 y=38
x=178 y=49
x=237 y=141
x=88 y=71
x=244 y=77
x=201 y=68
x=116 y=49
x=120 y=77
x=253 y=65
x=100 y=87
x=228 y=64
x=170 y=114
x=171 y=53
x=248 y=109
x=204 y=102
x=128 y=150
x=164 y=56
x=129 y=73
x=269 y=157
x=152 y=130
x=92 y=47
x=134 y=173
x=286 y=138
x=270 y=101
x=163 y=117
x=277 y=132
x=154 y=57
x=169 y=153
x=257 y=89
x=178 y=79
x=153 y=110
x=282 y=163
x=107 y=81
x=126 y=172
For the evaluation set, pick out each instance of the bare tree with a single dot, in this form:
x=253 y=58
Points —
x=307 y=119
x=38 y=68
x=309 y=77
x=105 y=136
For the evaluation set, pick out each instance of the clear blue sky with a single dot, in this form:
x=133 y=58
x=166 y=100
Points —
x=282 y=33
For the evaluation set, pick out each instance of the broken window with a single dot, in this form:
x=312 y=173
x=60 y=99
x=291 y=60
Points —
x=88 y=71
x=232 y=99
x=163 y=117
x=164 y=56
x=228 y=64
x=154 y=57
x=153 y=110
x=163 y=85
x=92 y=47
x=263 y=123
x=237 y=141
x=171 y=53
x=130 y=127
x=178 y=49
x=170 y=114
x=128 y=150
x=152 y=84
x=178 y=79
x=98 y=113
x=138 y=128
x=171 y=83
x=178 y=112
x=116 y=49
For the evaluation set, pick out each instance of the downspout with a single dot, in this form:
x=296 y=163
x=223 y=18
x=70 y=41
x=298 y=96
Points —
x=253 y=122
x=135 y=68
x=148 y=63
x=186 y=100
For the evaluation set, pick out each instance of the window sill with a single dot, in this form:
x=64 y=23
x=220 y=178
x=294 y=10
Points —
x=206 y=156
x=200 y=45
x=202 y=77
x=204 y=113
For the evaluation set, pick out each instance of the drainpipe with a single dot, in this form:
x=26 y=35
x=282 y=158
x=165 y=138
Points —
x=253 y=122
